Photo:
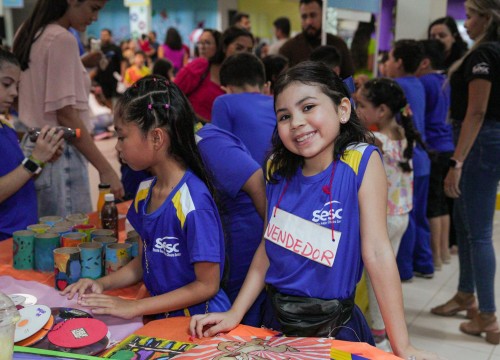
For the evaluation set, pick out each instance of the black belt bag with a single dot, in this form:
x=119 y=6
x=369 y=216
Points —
x=310 y=317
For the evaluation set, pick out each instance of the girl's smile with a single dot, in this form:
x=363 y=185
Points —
x=308 y=123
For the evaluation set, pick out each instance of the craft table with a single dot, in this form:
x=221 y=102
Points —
x=42 y=286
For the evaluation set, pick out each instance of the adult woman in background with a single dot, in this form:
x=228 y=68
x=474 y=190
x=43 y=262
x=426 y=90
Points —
x=199 y=80
x=445 y=30
x=475 y=168
x=173 y=50
x=54 y=90
x=208 y=43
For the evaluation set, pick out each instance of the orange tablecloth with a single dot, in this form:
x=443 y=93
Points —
x=177 y=329
x=48 y=278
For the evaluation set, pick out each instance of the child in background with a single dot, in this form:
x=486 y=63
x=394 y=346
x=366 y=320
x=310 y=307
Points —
x=239 y=182
x=174 y=212
x=164 y=68
x=137 y=70
x=439 y=136
x=415 y=255
x=381 y=102
x=245 y=111
x=18 y=202
x=317 y=189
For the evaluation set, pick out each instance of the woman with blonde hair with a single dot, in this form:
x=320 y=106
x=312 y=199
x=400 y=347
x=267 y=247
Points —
x=474 y=169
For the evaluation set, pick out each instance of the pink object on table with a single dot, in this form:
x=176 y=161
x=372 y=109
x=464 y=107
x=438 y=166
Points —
x=46 y=295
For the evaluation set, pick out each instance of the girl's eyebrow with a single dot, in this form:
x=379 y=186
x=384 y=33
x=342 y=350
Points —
x=297 y=103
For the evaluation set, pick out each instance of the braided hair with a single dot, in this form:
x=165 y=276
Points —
x=155 y=102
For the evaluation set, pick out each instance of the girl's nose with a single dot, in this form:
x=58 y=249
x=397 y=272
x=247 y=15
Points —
x=296 y=122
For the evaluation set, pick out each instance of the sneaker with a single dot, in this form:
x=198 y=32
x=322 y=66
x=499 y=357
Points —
x=422 y=275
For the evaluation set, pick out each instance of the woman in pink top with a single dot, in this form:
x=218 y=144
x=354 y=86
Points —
x=199 y=80
x=173 y=50
x=54 y=90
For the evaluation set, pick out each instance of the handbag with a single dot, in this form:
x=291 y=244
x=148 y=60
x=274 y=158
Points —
x=308 y=316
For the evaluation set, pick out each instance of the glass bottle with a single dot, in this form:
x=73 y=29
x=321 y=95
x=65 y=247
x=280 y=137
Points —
x=109 y=214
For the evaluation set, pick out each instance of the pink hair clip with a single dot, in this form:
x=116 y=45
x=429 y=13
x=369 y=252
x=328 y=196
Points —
x=167 y=106
x=150 y=106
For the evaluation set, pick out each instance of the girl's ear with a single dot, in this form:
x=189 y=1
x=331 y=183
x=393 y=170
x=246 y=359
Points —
x=344 y=110
x=383 y=111
x=158 y=137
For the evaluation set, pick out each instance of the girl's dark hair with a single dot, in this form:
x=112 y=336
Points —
x=284 y=163
x=7 y=57
x=459 y=47
x=173 y=39
x=155 y=102
x=44 y=13
x=388 y=92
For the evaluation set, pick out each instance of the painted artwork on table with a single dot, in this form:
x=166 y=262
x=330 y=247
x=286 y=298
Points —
x=253 y=348
x=137 y=347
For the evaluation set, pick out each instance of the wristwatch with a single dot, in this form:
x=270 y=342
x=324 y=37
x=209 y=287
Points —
x=456 y=164
x=31 y=166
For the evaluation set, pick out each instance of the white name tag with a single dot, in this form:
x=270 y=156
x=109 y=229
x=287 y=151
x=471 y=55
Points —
x=302 y=237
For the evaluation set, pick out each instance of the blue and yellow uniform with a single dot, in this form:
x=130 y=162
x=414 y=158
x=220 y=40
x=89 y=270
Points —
x=184 y=230
x=306 y=197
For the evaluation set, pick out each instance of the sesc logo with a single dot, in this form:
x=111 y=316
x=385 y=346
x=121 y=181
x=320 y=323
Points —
x=168 y=246
x=326 y=216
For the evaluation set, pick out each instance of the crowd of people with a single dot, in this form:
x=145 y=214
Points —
x=254 y=171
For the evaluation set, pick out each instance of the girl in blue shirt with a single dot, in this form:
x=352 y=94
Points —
x=174 y=212
x=324 y=220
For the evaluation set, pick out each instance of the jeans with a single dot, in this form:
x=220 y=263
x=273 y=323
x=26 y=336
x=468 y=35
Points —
x=473 y=214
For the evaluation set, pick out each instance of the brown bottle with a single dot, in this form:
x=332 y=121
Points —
x=109 y=214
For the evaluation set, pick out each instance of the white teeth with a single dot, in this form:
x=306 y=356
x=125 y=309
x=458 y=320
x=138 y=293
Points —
x=305 y=137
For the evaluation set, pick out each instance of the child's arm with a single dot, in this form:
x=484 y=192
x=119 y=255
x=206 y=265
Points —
x=203 y=288
x=380 y=260
x=253 y=285
x=128 y=275
x=256 y=189
x=48 y=145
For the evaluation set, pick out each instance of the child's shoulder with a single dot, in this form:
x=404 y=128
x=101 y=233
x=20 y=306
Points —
x=356 y=155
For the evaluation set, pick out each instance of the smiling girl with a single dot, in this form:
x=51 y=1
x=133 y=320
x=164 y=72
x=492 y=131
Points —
x=321 y=161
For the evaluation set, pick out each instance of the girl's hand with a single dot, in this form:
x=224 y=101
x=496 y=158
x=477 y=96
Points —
x=211 y=324
x=82 y=287
x=410 y=353
x=110 y=305
x=452 y=183
x=48 y=145
x=110 y=177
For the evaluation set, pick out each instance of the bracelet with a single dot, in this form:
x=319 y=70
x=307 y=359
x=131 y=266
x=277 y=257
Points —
x=38 y=162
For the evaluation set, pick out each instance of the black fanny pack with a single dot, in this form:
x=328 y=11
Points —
x=310 y=317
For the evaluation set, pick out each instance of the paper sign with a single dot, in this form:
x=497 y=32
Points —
x=302 y=237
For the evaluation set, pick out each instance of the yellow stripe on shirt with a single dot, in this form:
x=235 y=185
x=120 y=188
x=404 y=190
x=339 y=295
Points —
x=183 y=203
x=353 y=154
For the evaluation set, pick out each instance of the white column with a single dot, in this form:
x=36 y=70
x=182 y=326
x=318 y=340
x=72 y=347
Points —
x=140 y=20
x=413 y=17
